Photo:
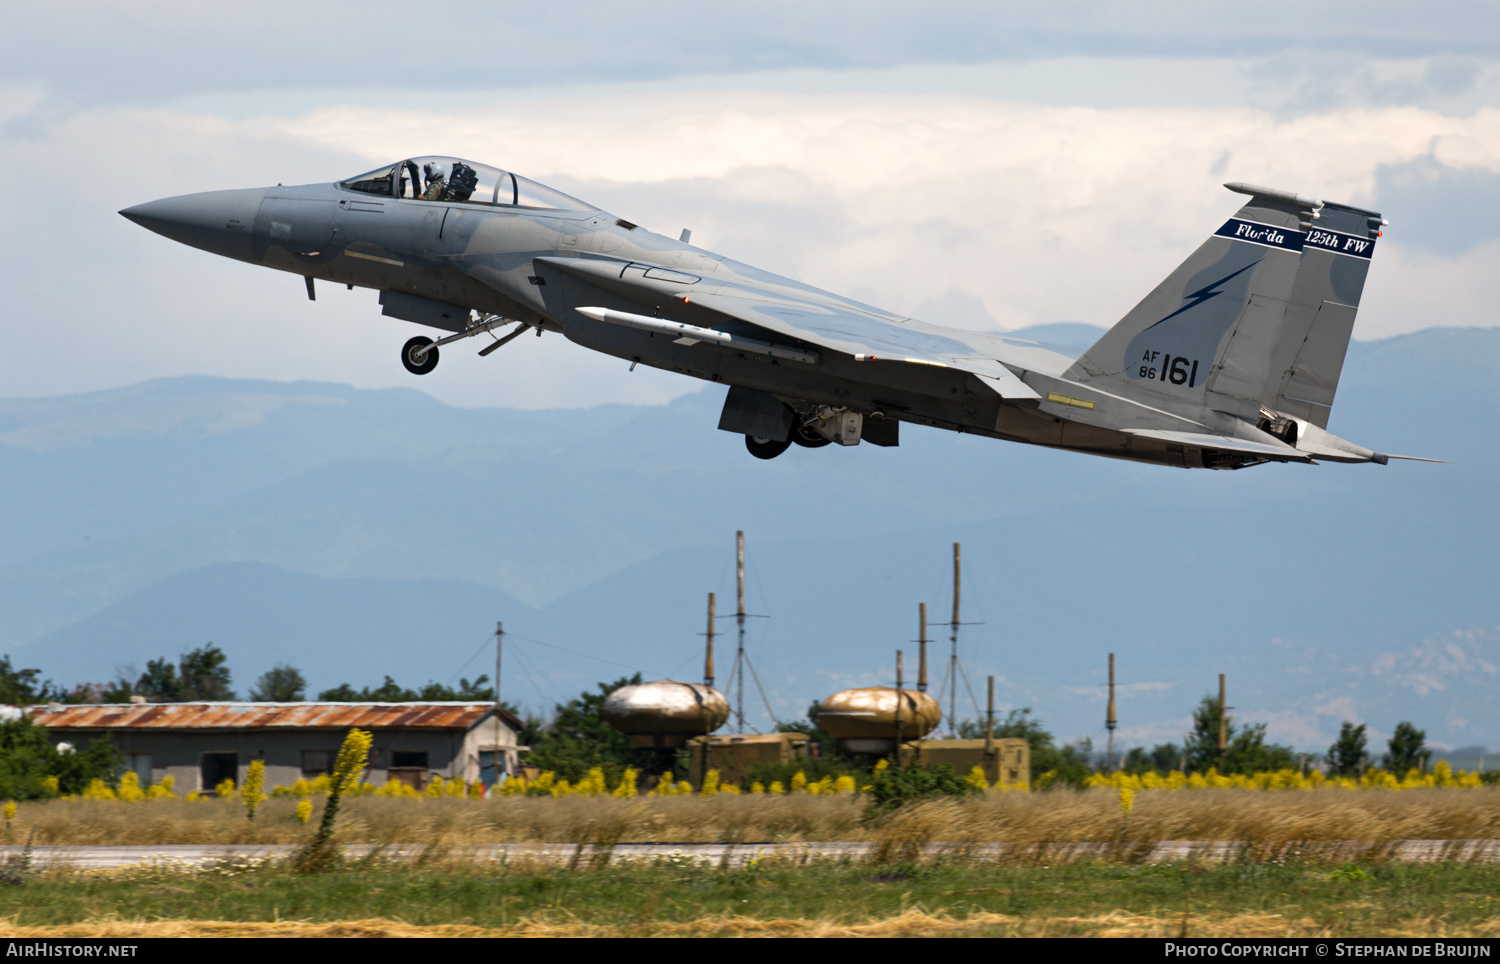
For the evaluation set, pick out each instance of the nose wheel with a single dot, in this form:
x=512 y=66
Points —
x=419 y=355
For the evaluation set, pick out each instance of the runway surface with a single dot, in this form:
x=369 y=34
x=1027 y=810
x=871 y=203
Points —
x=562 y=854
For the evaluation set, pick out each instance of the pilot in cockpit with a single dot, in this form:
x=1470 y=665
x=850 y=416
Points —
x=437 y=181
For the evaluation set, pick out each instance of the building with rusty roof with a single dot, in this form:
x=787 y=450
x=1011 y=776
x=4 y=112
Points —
x=200 y=745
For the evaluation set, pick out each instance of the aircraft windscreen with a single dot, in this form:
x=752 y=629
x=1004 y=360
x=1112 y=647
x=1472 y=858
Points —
x=452 y=179
x=530 y=194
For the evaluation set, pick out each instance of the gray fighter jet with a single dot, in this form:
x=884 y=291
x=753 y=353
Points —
x=1232 y=361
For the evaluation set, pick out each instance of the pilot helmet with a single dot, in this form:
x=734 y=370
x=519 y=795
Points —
x=432 y=170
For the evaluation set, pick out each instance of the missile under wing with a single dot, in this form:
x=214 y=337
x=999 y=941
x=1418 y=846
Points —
x=1231 y=361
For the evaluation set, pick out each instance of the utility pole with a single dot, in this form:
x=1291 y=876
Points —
x=708 y=660
x=898 y=707
x=1109 y=719
x=922 y=641
x=989 y=725
x=1223 y=725
x=499 y=648
x=953 y=657
x=739 y=656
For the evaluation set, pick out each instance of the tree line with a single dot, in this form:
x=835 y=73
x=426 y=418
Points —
x=576 y=738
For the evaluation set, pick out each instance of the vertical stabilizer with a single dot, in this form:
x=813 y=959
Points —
x=1310 y=354
x=1206 y=336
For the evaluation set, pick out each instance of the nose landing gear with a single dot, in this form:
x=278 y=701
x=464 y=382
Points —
x=420 y=355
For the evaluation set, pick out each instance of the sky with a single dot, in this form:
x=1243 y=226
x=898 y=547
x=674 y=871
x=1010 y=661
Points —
x=981 y=165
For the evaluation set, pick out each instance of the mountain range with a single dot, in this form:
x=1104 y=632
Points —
x=359 y=533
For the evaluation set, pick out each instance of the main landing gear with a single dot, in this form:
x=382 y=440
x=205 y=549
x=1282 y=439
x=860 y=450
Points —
x=420 y=354
x=802 y=433
x=764 y=448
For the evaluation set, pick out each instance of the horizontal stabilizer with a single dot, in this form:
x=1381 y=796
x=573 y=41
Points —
x=1269 y=449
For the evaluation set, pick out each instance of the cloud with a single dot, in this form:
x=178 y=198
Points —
x=1027 y=213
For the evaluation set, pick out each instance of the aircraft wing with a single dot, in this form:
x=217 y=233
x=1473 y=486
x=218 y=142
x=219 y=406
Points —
x=1271 y=449
x=809 y=316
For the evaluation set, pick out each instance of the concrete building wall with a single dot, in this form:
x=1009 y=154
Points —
x=180 y=753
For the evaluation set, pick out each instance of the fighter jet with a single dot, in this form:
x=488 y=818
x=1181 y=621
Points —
x=1232 y=361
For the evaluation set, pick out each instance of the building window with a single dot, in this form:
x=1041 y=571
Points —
x=315 y=763
x=218 y=767
x=140 y=765
x=409 y=767
x=409 y=758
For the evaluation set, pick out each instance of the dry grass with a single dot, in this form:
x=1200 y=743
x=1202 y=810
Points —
x=910 y=923
x=1430 y=814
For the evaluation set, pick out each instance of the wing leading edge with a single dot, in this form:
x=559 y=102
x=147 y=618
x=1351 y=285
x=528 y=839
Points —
x=825 y=323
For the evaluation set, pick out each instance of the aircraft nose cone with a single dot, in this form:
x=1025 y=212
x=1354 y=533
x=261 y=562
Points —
x=216 y=221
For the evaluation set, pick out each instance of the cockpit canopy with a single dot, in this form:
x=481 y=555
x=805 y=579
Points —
x=454 y=180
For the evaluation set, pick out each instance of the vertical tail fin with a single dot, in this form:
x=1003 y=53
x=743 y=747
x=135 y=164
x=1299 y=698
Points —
x=1309 y=356
x=1205 y=337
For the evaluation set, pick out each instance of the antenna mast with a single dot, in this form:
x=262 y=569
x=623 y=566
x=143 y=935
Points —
x=1109 y=719
x=922 y=659
x=739 y=616
x=1223 y=719
x=708 y=660
x=953 y=657
x=499 y=647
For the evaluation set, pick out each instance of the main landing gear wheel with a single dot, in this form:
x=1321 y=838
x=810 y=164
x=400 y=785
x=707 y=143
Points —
x=419 y=365
x=804 y=436
x=764 y=448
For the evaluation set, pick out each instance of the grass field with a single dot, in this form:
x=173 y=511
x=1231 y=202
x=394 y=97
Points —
x=1062 y=815
x=675 y=897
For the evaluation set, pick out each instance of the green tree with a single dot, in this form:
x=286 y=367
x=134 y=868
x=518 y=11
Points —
x=280 y=684
x=1201 y=746
x=160 y=683
x=1407 y=748
x=578 y=738
x=390 y=691
x=1348 y=752
x=1162 y=758
x=1246 y=749
x=27 y=758
x=1069 y=763
x=466 y=692
x=204 y=673
x=20 y=687
x=810 y=727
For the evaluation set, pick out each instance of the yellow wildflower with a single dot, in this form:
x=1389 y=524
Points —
x=353 y=756
x=627 y=785
x=98 y=790
x=50 y=785
x=976 y=778
x=776 y=788
x=130 y=788
x=225 y=788
x=9 y=811
x=1127 y=799
x=844 y=784
x=162 y=789
x=304 y=810
x=255 y=783
x=799 y=782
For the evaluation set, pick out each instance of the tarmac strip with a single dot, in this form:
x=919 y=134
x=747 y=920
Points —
x=189 y=856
